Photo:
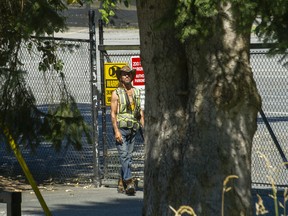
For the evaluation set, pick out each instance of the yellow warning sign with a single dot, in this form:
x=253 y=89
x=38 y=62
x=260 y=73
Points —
x=110 y=79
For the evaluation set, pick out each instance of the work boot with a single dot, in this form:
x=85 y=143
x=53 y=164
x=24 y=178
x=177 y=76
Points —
x=130 y=189
x=121 y=186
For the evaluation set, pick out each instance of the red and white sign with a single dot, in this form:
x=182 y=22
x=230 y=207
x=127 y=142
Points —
x=139 y=79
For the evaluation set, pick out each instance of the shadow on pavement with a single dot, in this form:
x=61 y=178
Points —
x=86 y=202
x=114 y=207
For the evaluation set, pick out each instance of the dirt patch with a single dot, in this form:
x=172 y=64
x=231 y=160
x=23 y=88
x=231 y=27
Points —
x=14 y=185
x=19 y=185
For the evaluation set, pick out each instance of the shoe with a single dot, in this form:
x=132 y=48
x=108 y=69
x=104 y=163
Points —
x=121 y=186
x=130 y=189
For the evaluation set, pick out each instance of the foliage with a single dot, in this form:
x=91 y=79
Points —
x=108 y=7
x=270 y=18
x=65 y=122
x=79 y=2
x=190 y=211
x=192 y=15
x=225 y=190
x=260 y=207
x=272 y=23
x=183 y=210
x=21 y=24
x=273 y=175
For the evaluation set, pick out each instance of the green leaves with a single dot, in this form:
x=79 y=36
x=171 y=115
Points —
x=79 y=2
x=271 y=24
x=17 y=109
x=49 y=58
x=74 y=2
x=107 y=11
x=200 y=19
x=29 y=126
x=61 y=125
x=108 y=7
x=193 y=15
x=65 y=123
x=206 y=8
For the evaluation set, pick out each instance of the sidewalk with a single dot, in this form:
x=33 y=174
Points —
x=85 y=201
x=103 y=201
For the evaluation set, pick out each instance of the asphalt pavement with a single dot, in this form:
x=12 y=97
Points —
x=104 y=201
x=77 y=200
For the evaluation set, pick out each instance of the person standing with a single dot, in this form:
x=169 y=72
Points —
x=127 y=117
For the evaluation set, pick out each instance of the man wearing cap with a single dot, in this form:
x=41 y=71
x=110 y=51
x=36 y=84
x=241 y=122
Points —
x=127 y=117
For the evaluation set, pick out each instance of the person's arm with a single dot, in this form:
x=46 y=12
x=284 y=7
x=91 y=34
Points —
x=114 y=109
x=142 y=118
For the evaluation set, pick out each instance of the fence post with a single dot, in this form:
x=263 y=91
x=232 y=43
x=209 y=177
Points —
x=94 y=97
x=104 y=130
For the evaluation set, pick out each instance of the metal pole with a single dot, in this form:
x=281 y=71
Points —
x=274 y=137
x=104 y=131
x=94 y=98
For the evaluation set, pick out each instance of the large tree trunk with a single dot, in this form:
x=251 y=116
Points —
x=200 y=115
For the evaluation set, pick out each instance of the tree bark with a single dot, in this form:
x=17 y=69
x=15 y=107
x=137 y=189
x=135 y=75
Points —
x=201 y=107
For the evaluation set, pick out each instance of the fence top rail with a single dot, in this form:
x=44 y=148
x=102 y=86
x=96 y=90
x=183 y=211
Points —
x=118 y=47
x=261 y=45
x=63 y=39
x=137 y=47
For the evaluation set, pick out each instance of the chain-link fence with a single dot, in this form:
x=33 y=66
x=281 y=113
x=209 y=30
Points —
x=268 y=154
x=79 y=166
x=47 y=164
x=269 y=150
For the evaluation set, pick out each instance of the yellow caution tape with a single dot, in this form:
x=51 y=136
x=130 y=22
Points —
x=26 y=170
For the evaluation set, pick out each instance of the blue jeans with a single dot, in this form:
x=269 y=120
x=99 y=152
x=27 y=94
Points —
x=125 y=151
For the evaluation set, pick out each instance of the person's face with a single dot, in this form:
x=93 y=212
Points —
x=126 y=78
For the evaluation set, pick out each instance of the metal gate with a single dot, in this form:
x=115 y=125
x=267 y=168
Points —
x=110 y=161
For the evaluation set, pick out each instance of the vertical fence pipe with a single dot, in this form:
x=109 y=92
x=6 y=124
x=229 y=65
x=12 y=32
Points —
x=94 y=97
x=103 y=105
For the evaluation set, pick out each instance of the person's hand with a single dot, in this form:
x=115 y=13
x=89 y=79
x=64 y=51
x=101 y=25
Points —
x=118 y=137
